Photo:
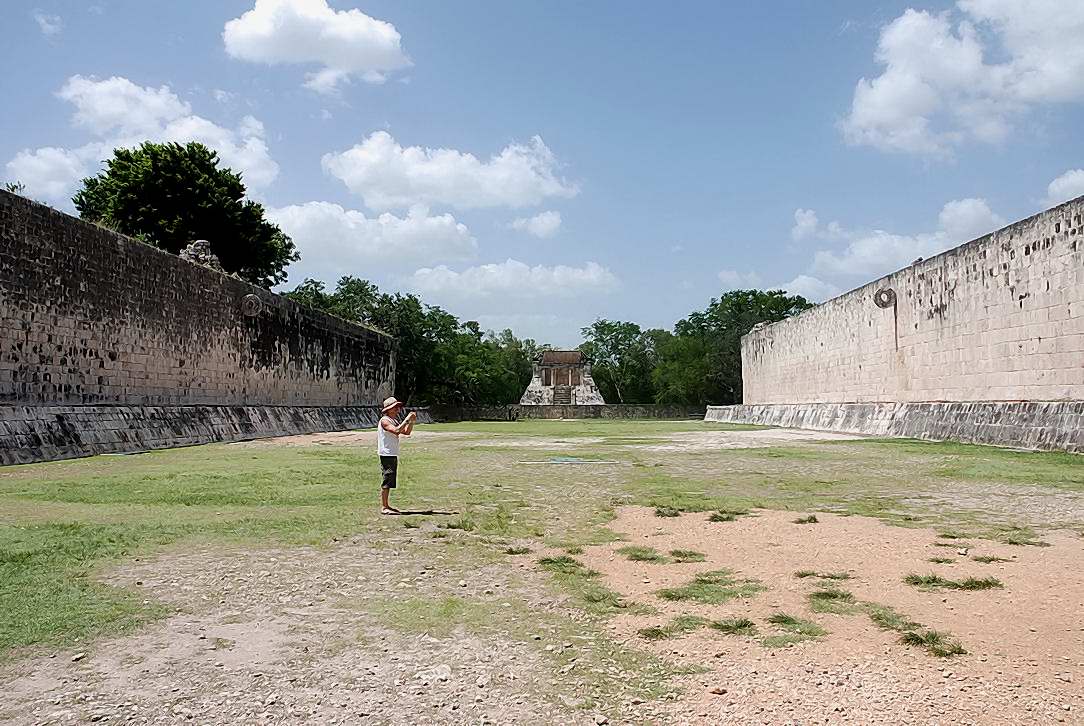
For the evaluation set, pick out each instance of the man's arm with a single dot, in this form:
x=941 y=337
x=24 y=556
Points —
x=408 y=424
x=388 y=424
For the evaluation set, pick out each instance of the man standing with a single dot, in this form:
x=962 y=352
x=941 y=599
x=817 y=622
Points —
x=388 y=432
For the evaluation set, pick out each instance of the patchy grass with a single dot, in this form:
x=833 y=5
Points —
x=517 y=550
x=727 y=515
x=888 y=618
x=832 y=600
x=664 y=511
x=681 y=625
x=811 y=519
x=566 y=565
x=936 y=582
x=941 y=560
x=712 y=588
x=687 y=556
x=805 y=573
x=795 y=630
x=574 y=549
x=637 y=553
x=987 y=559
x=936 y=643
x=734 y=626
x=1021 y=537
x=801 y=574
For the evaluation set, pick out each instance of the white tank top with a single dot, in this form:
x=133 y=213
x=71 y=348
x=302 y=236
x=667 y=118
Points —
x=387 y=443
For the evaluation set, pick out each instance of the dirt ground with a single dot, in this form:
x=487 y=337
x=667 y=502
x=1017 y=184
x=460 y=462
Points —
x=1025 y=642
x=419 y=622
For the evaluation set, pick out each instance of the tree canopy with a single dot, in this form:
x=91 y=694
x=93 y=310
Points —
x=169 y=195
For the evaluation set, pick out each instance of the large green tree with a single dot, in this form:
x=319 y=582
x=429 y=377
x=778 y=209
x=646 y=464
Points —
x=622 y=356
x=171 y=194
x=711 y=344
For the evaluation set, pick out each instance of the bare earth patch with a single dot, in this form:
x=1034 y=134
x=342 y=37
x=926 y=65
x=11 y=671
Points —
x=714 y=440
x=1025 y=641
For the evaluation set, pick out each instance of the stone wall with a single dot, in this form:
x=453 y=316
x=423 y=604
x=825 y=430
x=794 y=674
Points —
x=1000 y=318
x=91 y=318
x=1042 y=425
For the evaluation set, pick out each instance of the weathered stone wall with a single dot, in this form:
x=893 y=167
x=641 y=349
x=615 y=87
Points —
x=514 y=412
x=1000 y=318
x=89 y=317
x=1042 y=425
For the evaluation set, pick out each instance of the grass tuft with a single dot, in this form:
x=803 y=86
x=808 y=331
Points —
x=687 y=556
x=936 y=582
x=565 y=565
x=734 y=626
x=795 y=630
x=681 y=625
x=727 y=515
x=811 y=519
x=887 y=618
x=664 y=511
x=941 y=560
x=939 y=644
x=517 y=550
x=637 y=553
x=805 y=573
x=831 y=600
x=712 y=587
x=987 y=559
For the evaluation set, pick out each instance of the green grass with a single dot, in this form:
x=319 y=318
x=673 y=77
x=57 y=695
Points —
x=727 y=515
x=801 y=574
x=832 y=600
x=687 y=556
x=936 y=643
x=636 y=553
x=566 y=565
x=936 y=582
x=987 y=559
x=888 y=618
x=712 y=588
x=734 y=626
x=681 y=625
x=941 y=560
x=811 y=519
x=795 y=630
x=664 y=511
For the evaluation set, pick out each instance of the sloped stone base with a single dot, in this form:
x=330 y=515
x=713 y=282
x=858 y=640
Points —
x=47 y=433
x=1042 y=425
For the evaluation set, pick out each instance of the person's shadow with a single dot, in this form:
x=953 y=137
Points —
x=424 y=512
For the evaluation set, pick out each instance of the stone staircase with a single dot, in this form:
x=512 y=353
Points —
x=562 y=395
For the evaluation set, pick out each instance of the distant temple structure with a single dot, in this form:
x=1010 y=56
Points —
x=561 y=377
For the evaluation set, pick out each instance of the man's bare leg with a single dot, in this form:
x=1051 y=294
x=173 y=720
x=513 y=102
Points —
x=386 y=508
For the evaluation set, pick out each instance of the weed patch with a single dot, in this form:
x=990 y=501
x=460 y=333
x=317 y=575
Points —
x=637 y=553
x=667 y=511
x=987 y=559
x=811 y=519
x=517 y=550
x=677 y=627
x=687 y=556
x=941 y=560
x=795 y=630
x=832 y=600
x=936 y=643
x=712 y=588
x=936 y=582
x=735 y=626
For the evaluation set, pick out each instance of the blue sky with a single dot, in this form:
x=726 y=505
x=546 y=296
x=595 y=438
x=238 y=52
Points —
x=538 y=165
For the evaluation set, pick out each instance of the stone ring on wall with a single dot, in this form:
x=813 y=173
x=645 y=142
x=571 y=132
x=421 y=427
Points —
x=884 y=298
x=251 y=305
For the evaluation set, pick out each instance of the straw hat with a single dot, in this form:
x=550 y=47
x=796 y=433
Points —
x=390 y=402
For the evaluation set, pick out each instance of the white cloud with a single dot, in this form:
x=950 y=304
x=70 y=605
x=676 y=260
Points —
x=811 y=288
x=734 y=280
x=541 y=225
x=872 y=254
x=119 y=113
x=938 y=90
x=805 y=224
x=1069 y=185
x=334 y=241
x=387 y=175
x=345 y=43
x=513 y=279
x=47 y=172
x=223 y=97
x=49 y=25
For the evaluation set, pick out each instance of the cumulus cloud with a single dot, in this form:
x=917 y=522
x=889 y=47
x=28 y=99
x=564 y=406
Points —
x=734 y=280
x=541 y=225
x=50 y=25
x=513 y=279
x=118 y=113
x=1069 y=185
x=938 y=88
x=343 y=43
x=872 y=254
x=387 y=175
x=333 y=240
x=811 y=288
x=805 y=224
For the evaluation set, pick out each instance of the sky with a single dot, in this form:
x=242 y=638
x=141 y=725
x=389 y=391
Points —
x=539 y=165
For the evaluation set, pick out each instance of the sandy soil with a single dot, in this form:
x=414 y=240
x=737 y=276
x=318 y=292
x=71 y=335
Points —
x=1025 y=643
